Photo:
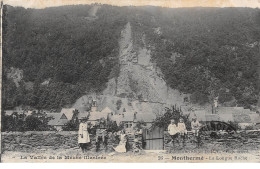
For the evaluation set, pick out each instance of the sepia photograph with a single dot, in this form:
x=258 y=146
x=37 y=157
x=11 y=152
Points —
x=154 y=81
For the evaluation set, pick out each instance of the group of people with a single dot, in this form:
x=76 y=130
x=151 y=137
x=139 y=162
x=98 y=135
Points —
x=120 y=137
x=84 y=137
x=178 y=131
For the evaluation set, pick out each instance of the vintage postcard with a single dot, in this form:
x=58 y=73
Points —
x=131 y=81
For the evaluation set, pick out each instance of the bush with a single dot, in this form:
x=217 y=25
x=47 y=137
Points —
x=34 y=122
x=72 y=125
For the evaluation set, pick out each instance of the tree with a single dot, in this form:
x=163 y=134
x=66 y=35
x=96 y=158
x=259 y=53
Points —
x=37 y=122
x=171 y=113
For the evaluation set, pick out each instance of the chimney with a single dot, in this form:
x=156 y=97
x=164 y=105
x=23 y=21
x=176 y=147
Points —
x=94 y=106
x=135 y=116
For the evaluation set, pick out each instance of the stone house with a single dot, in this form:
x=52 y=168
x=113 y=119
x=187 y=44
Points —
x=60 y=119
x=130 y=119
x=95 y=116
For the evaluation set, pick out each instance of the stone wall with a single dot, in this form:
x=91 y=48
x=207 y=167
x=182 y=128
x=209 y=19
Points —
x=167 y=139
x=179 y=143
x=34 y=141
x=40 y=141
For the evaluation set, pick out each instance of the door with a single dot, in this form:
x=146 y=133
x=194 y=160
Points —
x=154 y=139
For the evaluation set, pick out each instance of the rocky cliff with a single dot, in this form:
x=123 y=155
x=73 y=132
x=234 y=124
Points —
x=140 y=85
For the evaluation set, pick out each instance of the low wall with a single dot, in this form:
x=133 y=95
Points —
x=33 y=141
x=40 y=141
x=167 y=139
x=169 y=146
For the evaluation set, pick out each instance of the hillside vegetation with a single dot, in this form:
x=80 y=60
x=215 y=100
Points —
x=207 y=52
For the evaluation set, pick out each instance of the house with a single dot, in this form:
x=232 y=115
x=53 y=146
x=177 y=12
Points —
x=129 y=119
x=95 y=116
x=244 y=117
x=68 y=112
x=83 y=113
x=152 y=136
x=126 y=118
x=58 y=120
x=107 y=110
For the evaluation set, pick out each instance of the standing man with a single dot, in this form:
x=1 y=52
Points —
x=173 y=131
x=101 y=135
x=83 y=136
x=195 y=127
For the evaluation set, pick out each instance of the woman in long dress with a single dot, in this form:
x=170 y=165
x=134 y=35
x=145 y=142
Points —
x=83 y=136
x=121 y=148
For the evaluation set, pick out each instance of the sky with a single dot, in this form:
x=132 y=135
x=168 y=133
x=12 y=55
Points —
x=163 y=3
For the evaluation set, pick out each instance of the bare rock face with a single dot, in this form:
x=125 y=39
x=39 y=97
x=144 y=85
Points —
x=140 y=85
x=139 y=77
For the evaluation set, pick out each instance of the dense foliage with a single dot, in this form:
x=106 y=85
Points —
x=75 y=51
x=207 y=52
x=172 y=113
x=20 y=122
x=202 y=51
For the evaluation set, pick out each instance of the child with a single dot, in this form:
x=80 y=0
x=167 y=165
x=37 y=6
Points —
x=182 y=130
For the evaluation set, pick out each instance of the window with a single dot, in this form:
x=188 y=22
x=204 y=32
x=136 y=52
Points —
x=128 y=124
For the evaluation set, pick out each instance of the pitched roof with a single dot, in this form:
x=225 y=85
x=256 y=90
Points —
x=117 y=118
x=107 y=110
x=83 y=109
x=57 y=119
x=146 y=117
x=59 y=122
x=130 y=116
x=83 y=115
x=97 y=115
x=68 y=112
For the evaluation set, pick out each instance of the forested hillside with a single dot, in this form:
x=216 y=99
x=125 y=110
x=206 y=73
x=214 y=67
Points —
x=76 y=51
x=65 y=52
x=207 y=52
